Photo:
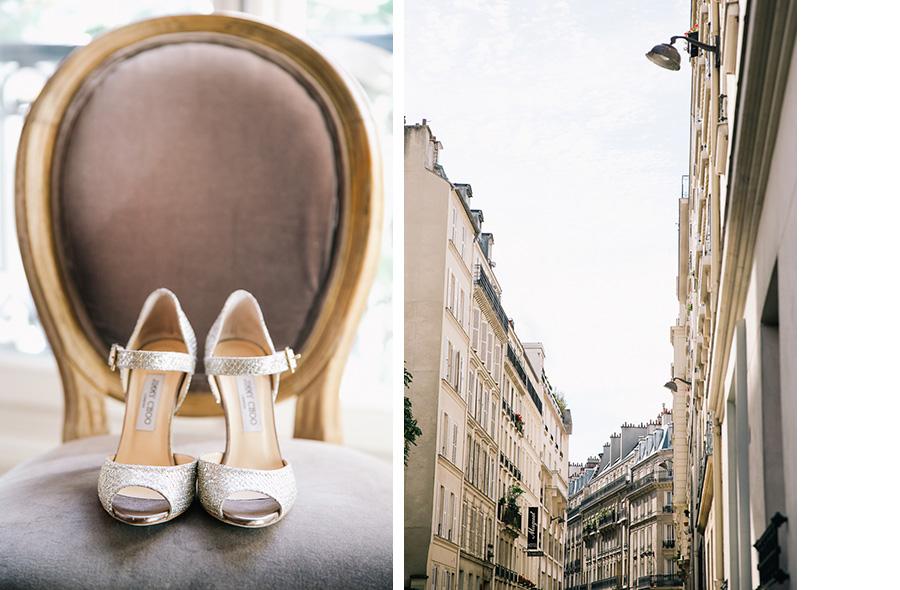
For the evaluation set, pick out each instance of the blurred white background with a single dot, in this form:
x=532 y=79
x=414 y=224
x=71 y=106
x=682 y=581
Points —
x=34 y=36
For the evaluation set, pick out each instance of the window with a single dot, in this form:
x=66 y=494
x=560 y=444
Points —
x=452 y=516
x=493 y=418
x=453 y=366
x=496 y=369
x=440 y=510
x=444 y=428
x=464 y=526
x=470 y=457
x=453 y=216
x=453 y=452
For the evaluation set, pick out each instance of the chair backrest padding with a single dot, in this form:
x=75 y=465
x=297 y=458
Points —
x=202 y=167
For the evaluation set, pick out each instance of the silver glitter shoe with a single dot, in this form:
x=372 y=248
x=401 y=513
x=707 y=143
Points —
x=145 y=483
x=250 y=484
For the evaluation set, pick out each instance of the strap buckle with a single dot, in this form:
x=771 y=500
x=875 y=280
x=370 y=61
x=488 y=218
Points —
x=113 y=356
x=291 y=359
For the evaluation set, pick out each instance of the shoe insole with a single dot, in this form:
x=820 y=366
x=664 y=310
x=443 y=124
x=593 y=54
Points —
x=146 y=429
x=250 y=434
x=249 y=413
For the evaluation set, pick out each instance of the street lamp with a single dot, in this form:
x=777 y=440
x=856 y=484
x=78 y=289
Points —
x=671 y=385
x=665 y=55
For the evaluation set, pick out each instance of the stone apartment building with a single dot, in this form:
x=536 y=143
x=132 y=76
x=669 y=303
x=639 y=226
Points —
x=734 y=371
x=485 y=484
x=621 y=521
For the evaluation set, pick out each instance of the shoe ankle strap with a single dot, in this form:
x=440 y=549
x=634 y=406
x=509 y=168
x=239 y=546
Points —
x=272 y=364
x=150 y=360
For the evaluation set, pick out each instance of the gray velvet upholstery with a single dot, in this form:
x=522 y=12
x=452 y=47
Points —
x=54 y=533
x=203 y=168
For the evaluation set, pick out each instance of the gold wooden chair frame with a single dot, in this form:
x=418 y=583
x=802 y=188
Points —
x=86 y=377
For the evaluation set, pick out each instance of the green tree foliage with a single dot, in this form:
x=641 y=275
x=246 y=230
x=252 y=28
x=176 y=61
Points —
x=411 y=430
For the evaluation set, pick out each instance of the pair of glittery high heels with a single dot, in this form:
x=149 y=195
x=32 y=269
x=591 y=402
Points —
x=250 y=484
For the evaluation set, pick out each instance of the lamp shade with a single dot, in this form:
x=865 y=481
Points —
x=665 y=56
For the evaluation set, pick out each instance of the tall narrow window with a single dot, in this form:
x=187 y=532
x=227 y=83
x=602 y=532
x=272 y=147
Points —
x=453 y=450
x=453 y=225
x=452 y=299
x=448 y=360
x=493 y=418
x=440 y=511
x=451 y=517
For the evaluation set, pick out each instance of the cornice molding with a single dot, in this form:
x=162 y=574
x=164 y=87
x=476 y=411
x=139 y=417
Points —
x=767 y=55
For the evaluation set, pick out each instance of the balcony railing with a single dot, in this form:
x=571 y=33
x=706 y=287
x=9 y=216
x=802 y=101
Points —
x=669 y=508
x=512 y=518
x=505 y=574
x=614 y=484
x=520 y=371
x=650 y=479
x=573 y=567
x=482 y=281
x=607 y=519
x=507 y=462
x=659 y=581
x=668 y=543
x=611 y=582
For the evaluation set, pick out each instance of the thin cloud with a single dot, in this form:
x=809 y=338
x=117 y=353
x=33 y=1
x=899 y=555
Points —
x=574 y=145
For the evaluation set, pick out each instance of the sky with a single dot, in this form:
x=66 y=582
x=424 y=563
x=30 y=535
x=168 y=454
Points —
x=575 y=145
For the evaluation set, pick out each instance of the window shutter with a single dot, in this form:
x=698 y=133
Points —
x=453 y=452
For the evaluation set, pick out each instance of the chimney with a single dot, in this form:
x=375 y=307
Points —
x=631 y=434
x=605 y=457
x=615 y=447
x=486 y=240
x=535 y=353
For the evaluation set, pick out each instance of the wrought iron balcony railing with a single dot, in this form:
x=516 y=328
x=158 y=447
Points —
x=608 y=583
x=652 y=478
x=505 y=574
x=668 y=543
x=659 y=581
x=482 y=281
x=611 y=486
x=520 y=371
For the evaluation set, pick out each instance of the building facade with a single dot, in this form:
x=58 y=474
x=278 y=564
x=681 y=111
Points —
x=621 y=521
x=734 y=340
x=485 y=484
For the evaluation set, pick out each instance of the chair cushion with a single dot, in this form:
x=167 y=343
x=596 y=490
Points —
x=54 y=533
